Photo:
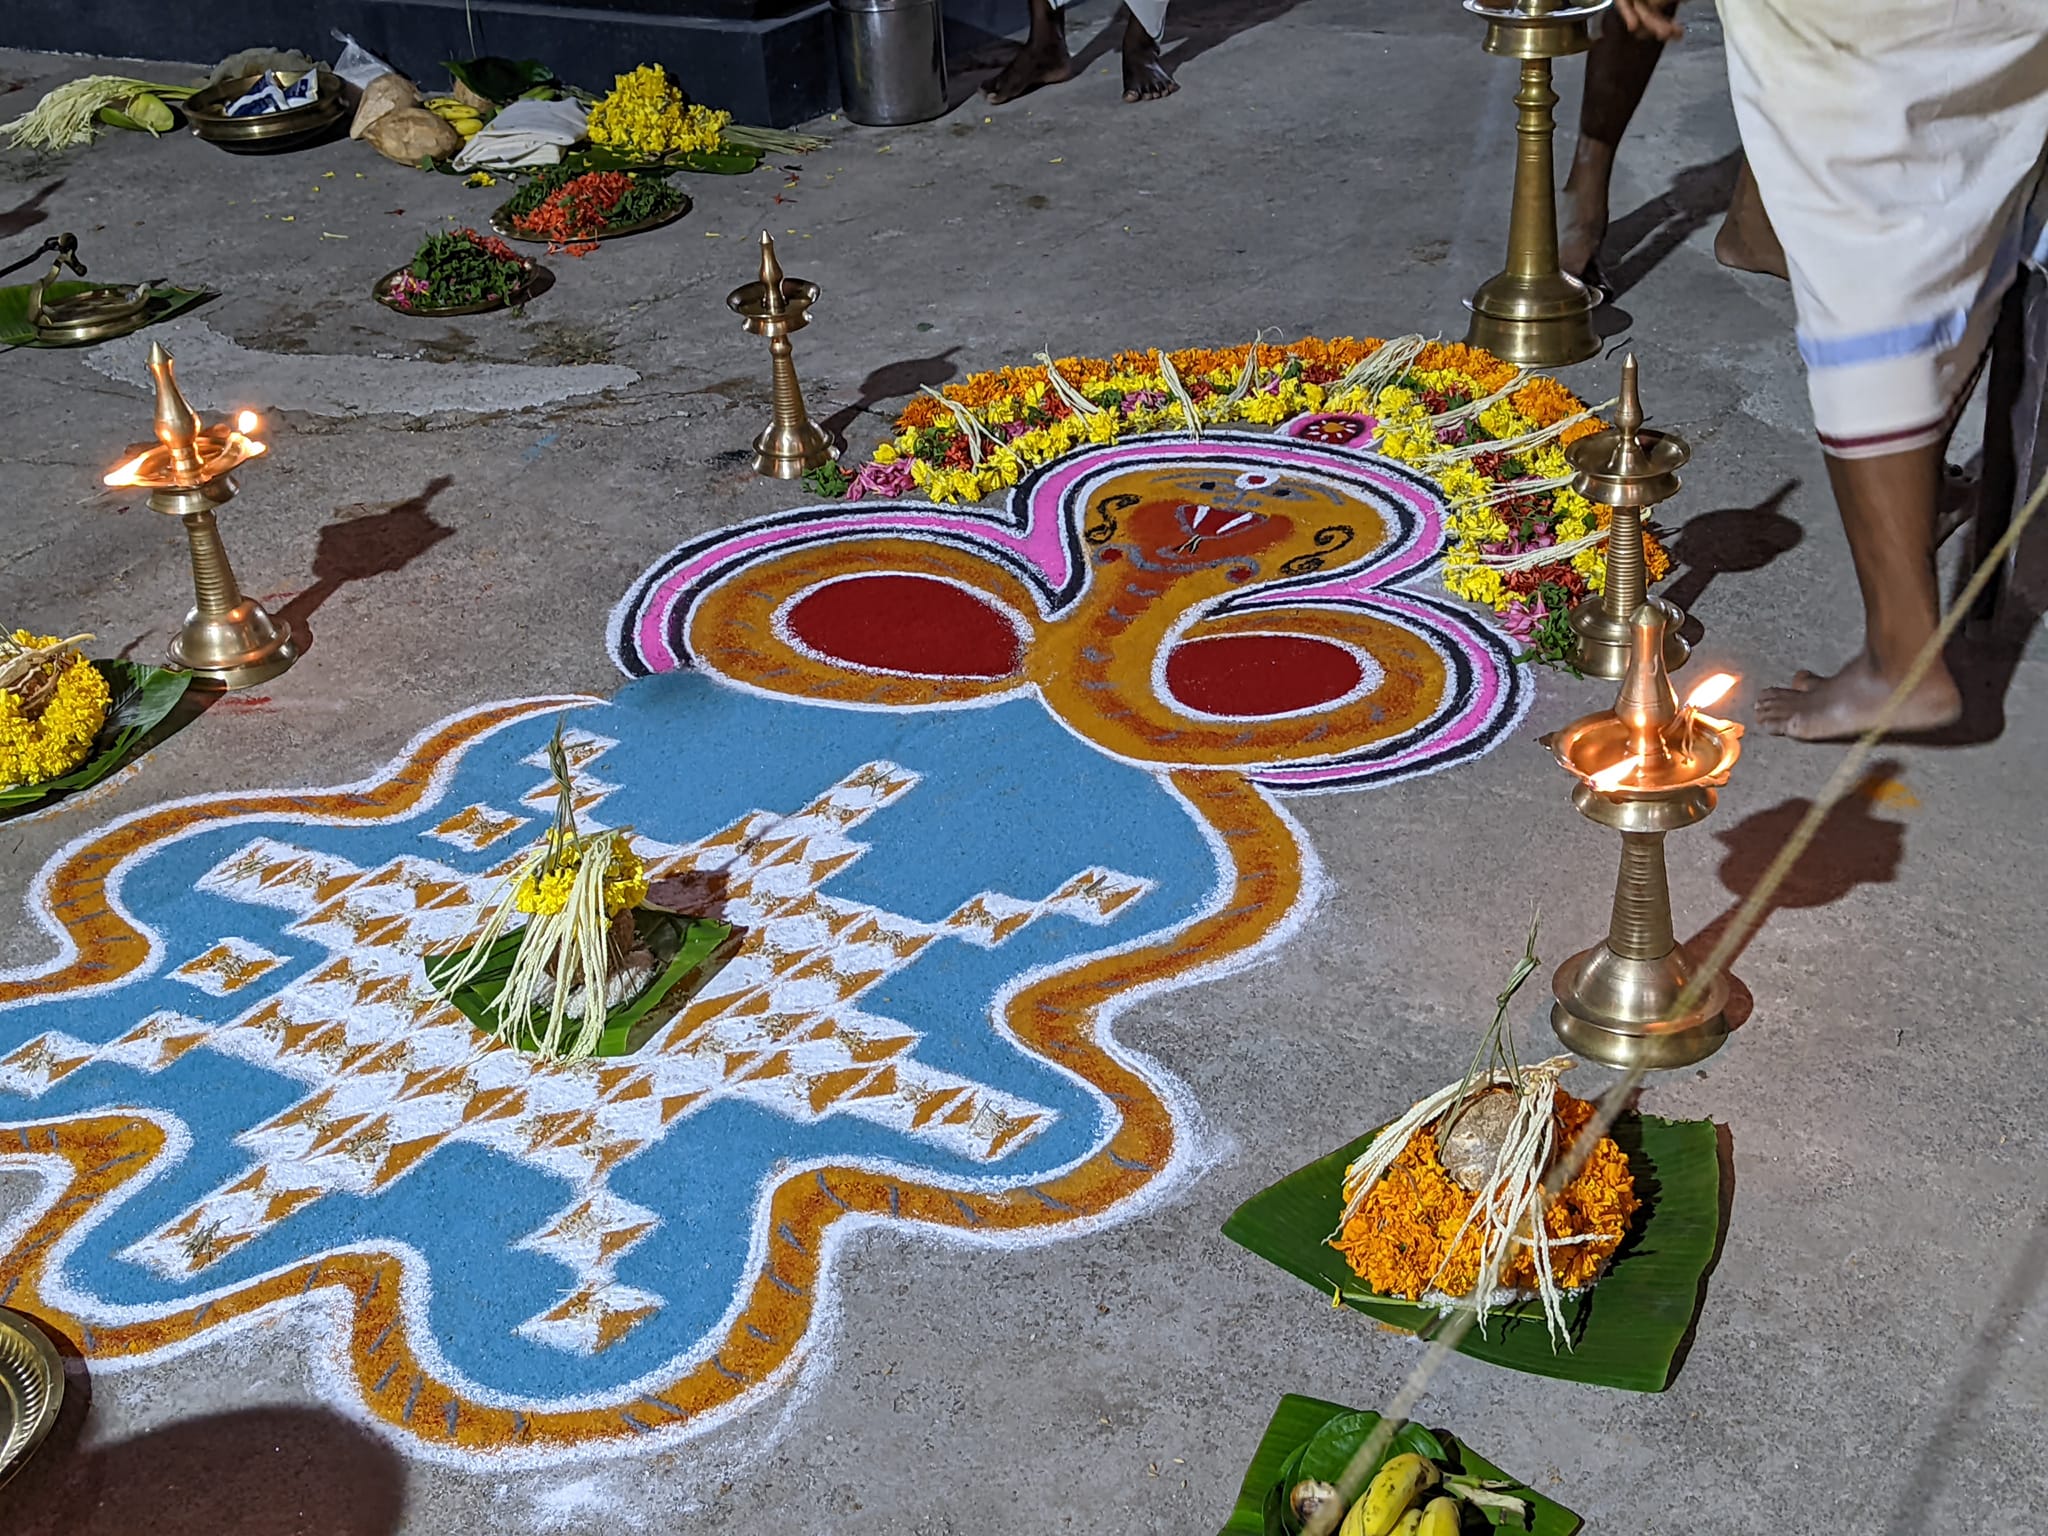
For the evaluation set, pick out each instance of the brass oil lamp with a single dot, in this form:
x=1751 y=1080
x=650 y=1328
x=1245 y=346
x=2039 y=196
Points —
x=1532 y=312
x=1628 y=469
x=791 y=445
x=1646 y=767
x=228 y=639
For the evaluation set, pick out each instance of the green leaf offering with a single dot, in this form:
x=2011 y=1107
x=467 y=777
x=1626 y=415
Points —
x=1628 y=1331
x=140 y=699
x=827 y=480
x=683 y=950
x=462 y=267
x=502 y=80
x=1311 y=1439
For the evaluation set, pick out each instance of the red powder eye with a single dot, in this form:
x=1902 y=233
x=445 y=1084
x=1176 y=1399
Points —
x=909 y=624
x=1254 y=675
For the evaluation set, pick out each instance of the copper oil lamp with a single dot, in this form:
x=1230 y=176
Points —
x=228 y=640
x=792 y=445
x=1645 y=768
x=1532 y=312
x=1628 y=469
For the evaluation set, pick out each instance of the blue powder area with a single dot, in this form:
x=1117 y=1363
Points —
x=1008 y=802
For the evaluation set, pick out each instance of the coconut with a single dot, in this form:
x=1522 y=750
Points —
x=386 y=93
x=410 y=135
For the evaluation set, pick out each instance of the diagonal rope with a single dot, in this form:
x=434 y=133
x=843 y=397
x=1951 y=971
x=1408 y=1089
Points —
x=1748 y=917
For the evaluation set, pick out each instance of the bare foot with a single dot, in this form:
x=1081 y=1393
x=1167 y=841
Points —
x=1747 y=243
x=1146 y=77
x=1040 y=61
x=1812 y=708
x=1584 y=226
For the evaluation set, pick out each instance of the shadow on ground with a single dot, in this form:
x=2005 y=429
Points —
x=1852 y=848
x=273 y=1471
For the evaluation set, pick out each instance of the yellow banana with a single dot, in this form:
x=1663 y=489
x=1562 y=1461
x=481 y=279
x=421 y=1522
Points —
x=1396 y=1487
x=1437 y=1518
x=1410 y=1524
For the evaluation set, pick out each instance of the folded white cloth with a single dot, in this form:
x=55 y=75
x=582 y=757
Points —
x=524 y=134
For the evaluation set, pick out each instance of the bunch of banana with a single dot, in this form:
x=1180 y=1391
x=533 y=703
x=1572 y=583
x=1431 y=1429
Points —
x=456 y=113
x=1412 y=1497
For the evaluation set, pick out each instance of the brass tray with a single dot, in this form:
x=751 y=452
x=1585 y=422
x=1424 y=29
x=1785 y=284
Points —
x=31 y=1390
x=537 y=281
x=274 y=132
x=502 y=225
x=95 y=315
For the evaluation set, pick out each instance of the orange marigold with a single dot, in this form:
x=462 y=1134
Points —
x=1546 y=402
x=1399 y=1242
x=1477 y=364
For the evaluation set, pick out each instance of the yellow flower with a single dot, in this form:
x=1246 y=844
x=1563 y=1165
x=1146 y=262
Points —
x=625 y=883
x=886 y=454
x=648 y=114
x=38 y=747
x=481 y=179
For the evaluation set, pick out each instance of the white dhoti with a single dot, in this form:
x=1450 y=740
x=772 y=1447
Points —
x=1151 y=14
x=1899 y=148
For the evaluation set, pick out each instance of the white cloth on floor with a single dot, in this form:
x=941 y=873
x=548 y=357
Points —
x=1899 y=148
x=1151 y=14
x=526 y=133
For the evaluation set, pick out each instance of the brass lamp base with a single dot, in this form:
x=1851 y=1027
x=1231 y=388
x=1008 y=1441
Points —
x=1623 y=1012
x=236 y=649
x=1540 y=322
x=1604 y=639
x=789 y=450
x=228 y=640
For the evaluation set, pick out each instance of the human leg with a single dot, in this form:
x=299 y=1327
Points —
x=1146 y=77
x=1747 y=242
x=1041 y=60
x=1887 y=504
x=1853 y=115
x=1618 y=70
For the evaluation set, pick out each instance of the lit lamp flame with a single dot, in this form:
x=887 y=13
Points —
x=1712 y=690
x=249 y=421
x=1607 y=780
x=129 y=473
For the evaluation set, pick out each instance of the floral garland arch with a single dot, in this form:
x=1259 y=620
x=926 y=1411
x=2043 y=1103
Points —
x=1491 y=435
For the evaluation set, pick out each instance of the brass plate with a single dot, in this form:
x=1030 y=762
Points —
x=94 y=316
x=534 y=283
x=31 y=1390
x=272 y=133
x=502 y=225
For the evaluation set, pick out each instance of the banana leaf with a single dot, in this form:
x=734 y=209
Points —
x=1309 y=1438
x=683 y=948
x=726 y=160
x=141 y=698
x=501 y=80
x=16 y=331
x=1630 y=1331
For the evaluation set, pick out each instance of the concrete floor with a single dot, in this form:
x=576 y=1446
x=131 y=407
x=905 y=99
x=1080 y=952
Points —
x=1871 y=1353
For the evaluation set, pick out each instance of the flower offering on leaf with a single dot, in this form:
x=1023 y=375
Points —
x=648 y=114
x=579 y=955
x=1455 y=1191
x=565 y=207
x=53 y=702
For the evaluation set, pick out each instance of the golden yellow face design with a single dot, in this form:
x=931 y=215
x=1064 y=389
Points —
x=1249 y=525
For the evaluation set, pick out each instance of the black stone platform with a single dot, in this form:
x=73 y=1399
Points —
x=768 y=62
